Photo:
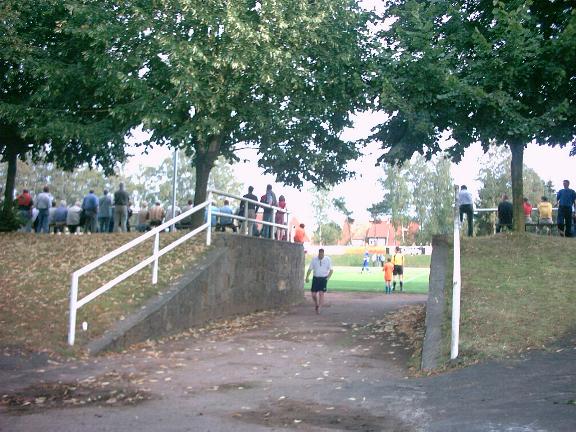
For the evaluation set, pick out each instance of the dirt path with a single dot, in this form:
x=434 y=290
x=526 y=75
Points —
x=289 y=371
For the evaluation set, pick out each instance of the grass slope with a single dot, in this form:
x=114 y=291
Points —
x=35 y=282
x=517 y=294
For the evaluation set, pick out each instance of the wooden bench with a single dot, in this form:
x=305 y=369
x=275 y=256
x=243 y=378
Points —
x=540 y=227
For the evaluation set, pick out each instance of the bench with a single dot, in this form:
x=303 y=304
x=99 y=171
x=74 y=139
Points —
x=541 y=227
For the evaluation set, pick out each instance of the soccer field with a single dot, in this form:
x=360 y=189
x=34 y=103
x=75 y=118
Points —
x=351 y=279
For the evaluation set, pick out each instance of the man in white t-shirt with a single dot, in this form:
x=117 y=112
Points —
x=321 y=266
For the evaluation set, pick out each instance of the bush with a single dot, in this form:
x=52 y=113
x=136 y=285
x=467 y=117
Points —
x=9 y=219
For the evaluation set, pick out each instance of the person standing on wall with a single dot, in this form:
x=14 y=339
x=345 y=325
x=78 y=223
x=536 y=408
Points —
x=466 y=207
x=121 y=199
x=566 y=198
x=398 y=261
x=321 y=266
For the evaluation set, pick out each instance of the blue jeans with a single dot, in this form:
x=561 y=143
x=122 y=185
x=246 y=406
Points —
x=104 y=223
x=267 y=229
x=26 y=217
x=42 y=221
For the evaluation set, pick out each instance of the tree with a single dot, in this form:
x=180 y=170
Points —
x=396 y=200
x=321 y=205
x=419 y=191
x=212 y=77
x=492 y=72
x=155 y=183
x=327 y=233
x=56 y=101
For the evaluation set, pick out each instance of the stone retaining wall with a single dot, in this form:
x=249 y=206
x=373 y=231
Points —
x=239 y=275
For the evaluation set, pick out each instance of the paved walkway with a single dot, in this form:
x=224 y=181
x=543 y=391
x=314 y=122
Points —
x=301 y=371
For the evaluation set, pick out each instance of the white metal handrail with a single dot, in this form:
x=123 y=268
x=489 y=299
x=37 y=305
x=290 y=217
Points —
x=76 y=303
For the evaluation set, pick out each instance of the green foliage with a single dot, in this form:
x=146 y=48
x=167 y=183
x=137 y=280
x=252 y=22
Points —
x=9 y=219
x=327 y=234
x=418 y=190
x=493 y=72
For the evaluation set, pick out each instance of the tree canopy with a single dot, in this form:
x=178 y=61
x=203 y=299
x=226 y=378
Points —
x=57 y=101
x=494 y=72
x=211 y=77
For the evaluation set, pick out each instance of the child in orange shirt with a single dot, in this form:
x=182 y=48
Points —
x=388 y=270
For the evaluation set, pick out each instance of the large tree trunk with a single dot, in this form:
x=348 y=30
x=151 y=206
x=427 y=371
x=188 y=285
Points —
x=517 y=184
x=12 y=158
x=204 y=162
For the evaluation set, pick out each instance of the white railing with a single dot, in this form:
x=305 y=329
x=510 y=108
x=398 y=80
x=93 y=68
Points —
x=76 y=303
x=456 y=280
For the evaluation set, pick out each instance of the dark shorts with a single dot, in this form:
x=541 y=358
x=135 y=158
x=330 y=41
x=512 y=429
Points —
x=319 y=284
x=398 y=270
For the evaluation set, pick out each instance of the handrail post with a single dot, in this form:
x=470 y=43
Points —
x=246 y=218
x=273 y=228
x=288 y=227
x=73 y=302
x=456 y=281
x=155 y=252
x=209 y=219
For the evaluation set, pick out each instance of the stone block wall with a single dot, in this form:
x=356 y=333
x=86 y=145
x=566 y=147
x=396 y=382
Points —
x=238 y=275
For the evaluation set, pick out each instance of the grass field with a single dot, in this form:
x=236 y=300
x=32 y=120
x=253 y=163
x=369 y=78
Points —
x=351 y=279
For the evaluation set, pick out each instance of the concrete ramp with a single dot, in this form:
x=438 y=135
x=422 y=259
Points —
x=239 y=275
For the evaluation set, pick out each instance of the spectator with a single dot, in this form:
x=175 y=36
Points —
x=545 y=213
x=105 y=212
x=365 y=263
x=187 y=221
x=60 y=216
x=268 y=198
x=51 y=213
x=527 y=211
x=143 y=218
x=566 y=198
x=43 y=204
x=466 y=207
x=157 y=215
x=280 y=217
x=25 y=204
x=121 y=200
x=90 y=208
x=505 y=213
x=226 y=221
x=250 y=228
x=213 y=219
x=177 y=212
x=129 y=216
x=300 y=234
x=73 y=217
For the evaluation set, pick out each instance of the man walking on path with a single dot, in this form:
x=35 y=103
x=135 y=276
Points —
x=398 y=261
x=321 y=266
x=121 y=199
x=566 y=198
x=466 y=207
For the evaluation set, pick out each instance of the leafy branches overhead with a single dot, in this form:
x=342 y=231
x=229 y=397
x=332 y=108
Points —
x=494 y=72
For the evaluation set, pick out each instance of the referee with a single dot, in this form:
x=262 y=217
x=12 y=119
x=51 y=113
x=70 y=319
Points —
x=398 y=261
x=322 y=268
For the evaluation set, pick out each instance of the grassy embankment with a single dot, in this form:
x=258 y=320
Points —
x=517 y=294
x=35 y=282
